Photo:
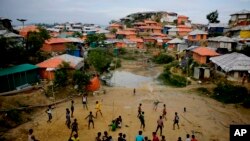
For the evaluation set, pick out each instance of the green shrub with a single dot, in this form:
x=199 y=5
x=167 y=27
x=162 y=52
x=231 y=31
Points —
x=163 y=59
x=246 y=102
x=15 y=116
x=203 y=90
x=228 y=93
x=170 y=65
x=172 y=79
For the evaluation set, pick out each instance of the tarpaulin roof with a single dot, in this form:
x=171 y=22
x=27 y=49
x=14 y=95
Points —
x=54 y=62
x=232 y=62
x=17 y=69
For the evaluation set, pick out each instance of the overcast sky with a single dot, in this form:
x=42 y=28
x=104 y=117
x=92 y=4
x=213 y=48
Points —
x=102 y=11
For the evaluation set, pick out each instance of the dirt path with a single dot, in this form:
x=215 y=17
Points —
x=208 y=119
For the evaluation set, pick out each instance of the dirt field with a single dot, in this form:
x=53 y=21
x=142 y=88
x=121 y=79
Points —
x=208 y=119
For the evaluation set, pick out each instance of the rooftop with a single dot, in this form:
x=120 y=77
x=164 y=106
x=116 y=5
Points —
x=17 y=69
x=205 y=51
x=197 y=32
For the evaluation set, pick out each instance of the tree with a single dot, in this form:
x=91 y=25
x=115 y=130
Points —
x=34 y=42
x=112 y=21
x=81 y=79
x=11 y=52
x=113 y=31
x=61 y=75
x=77 y=35
x=100 y=59
x=213 y=17
x=95 y=38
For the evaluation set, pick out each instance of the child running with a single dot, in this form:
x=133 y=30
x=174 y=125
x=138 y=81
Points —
x=90 y=116
x=98 y=108
x=160 y=125
x=156 y=104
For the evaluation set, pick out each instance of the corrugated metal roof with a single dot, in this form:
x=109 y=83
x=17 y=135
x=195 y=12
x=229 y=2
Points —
x=217 y=25
x=8 y=34
x=17 y=69
x=244 y=11
x=176 y=41
x=232 y=62
x=196 y=32
x=221 y=39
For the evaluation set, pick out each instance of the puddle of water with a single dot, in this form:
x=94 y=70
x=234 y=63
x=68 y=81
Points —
x=127 y=79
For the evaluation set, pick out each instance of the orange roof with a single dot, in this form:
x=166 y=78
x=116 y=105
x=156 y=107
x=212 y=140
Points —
x=57 y=41
x=136 y=40
x=110 y=36
x=150 y=22
x=24 y=31
x=124 y=32
x=130 y=29
x=115 y=25
x=158 y=34
x=150 y=27
x=182 y=16
x=50 y=63
x=204 y=51
x=54 y=62
x=184 y=28
x=139 y=23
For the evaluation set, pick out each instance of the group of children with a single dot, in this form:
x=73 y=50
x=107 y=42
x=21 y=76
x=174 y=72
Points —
x=117 y=123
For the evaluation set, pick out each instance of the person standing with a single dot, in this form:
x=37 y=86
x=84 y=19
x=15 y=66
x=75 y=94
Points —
x=74 y=127
x=120 y=137
x=105 y=137
x=163 y=138
x=179 y=139
x=75 y=138
x=160 y=125
x=49 y=112
x=124 y=137
x=193 y=138
x=155 y=137
x=84 y=101
x=134 y=91
x=188 y=138
x=98 y=138
x=90 y=116
x=72 y=108
x=142 y=120
x=164 y=112
x=139 y=137
x=139 y=110
x=98 y=108
x=176 y=121
x=31 y=137
x=68 y=121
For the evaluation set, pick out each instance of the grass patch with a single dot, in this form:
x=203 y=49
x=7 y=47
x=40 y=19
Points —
x=228 y=93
